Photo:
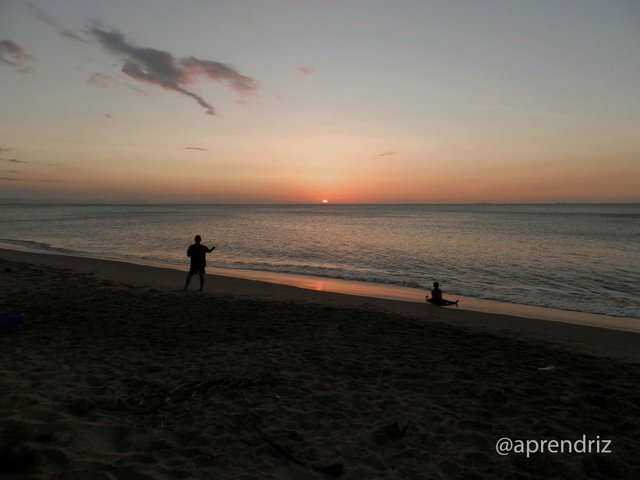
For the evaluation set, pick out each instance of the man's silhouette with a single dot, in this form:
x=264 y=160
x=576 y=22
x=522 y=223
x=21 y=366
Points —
x=436 y=297
x=198 y=254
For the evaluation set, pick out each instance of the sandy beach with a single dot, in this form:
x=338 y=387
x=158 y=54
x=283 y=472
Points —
x=116 y=373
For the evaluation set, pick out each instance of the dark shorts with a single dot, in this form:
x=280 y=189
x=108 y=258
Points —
x=199 y=269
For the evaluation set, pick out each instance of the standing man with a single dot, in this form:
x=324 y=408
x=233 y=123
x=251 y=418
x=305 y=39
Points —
x=198 y=254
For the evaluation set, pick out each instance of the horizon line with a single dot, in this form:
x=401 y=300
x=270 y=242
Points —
x=11 y=201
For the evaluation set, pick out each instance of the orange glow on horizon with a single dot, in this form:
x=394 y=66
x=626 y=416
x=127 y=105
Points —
x=418 y=178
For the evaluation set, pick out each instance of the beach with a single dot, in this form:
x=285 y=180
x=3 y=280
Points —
x=117 y=373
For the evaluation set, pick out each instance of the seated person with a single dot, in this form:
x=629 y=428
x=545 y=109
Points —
x=436 y=296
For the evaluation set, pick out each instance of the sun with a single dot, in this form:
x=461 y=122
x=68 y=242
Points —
x=325 y=201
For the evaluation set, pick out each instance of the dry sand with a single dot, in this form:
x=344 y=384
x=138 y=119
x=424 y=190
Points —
x=116 y=373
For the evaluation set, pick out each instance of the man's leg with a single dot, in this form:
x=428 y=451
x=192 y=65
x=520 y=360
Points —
x=189 y=275
x=201 y=280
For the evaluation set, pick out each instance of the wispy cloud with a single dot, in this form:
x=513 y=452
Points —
x=12 y=160
x=11 y=179
x=305 y=71
x=15 y=161
x=13 y=55
x=47 y=20
x=103 y=80
x=160 y=68
x=384 y=154
x=150 y=65
x=197 y=148
x=9 y=160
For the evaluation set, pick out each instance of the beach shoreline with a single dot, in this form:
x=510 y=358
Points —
x=117 y=373
x=372 y=290
x=414 y=295
x=592 y=334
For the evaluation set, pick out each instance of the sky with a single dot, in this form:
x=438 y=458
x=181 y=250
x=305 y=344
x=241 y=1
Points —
x=300 y=101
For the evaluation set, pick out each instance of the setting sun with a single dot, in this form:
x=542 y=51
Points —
x=325 y=201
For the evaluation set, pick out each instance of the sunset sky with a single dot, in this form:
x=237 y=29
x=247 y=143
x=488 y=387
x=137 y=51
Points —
x=354 y=101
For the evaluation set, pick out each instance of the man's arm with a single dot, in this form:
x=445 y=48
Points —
x=211 y=249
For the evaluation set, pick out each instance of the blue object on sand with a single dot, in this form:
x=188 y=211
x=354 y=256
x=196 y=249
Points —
x=10 y=321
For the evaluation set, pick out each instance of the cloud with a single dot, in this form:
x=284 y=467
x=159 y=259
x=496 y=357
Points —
x=218 y=72
x=5 y=149
x=103 y=80
x=12 y=160
x=10 y=49
x=47 y=20
x=160 y=68
x=305 y=71
x=384 y=154
x=197 y=148
x=11 y=179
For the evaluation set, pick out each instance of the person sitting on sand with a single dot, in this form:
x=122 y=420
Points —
x=198 y=254
x=436 y=296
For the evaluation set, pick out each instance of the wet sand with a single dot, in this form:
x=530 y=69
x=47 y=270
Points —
x=116 y=373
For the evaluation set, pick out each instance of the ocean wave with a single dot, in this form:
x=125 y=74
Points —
x=40 y=246
x=322 y=272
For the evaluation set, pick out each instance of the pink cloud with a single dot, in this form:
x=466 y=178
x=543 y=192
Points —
x=305 y=71
x=14 y=55
x=218 y=72
x=197 y=148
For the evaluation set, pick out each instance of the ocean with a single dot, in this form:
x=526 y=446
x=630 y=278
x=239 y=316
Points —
x=576 y=257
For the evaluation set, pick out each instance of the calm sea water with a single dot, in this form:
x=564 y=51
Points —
x=573 y=257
